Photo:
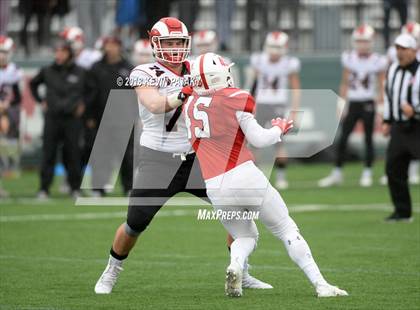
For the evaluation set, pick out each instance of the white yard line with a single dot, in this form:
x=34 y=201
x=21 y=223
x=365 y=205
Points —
x=187 y=212
x=170 y=260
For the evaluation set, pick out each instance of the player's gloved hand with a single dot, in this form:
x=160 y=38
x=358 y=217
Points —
x=284 y=124
x=175 y=100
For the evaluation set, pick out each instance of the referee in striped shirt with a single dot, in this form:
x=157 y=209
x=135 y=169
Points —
x=402 y=123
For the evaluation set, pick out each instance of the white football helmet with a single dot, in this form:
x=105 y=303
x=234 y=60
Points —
x=169 y=28
x=6 y=49
x=413 y=29
x=210 y=72
x=362 y=38
x=142 y=52
x=205 y=41
x=276 y=43
x=75 y=36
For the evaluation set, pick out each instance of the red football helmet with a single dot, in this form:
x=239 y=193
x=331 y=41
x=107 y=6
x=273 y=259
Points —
x=276 y=43
x=170 y=28
x=413 y=29
x=362 y=37
x=142 y=52
x=6 y=49
x=205 y=41
x=75 y=36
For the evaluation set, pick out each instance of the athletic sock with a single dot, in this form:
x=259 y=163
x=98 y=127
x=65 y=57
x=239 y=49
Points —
x=240 y=249
x=337 y=172
x=281 y=174
x=300 y=253
x=115 y=258
x=367 y=172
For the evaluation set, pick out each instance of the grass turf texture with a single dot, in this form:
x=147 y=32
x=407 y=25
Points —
x=179 y=261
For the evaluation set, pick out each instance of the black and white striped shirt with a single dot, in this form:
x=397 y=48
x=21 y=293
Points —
x=402 y=86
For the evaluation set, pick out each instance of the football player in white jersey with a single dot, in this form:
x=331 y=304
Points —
x=411 y=28
x=10 y=98
x=362 y=86
x=275 y=74
x=84 y=57
x=142 y=52
x=166 y=164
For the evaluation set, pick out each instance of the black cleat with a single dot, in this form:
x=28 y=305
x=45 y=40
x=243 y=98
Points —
x=395 y=217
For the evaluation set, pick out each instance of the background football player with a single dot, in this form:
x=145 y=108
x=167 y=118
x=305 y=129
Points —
x=83 y=56
x=362 y=86
x=10 y=99
x=142 y=52
x=275 y=72
x=220 y=120
x=166 y=157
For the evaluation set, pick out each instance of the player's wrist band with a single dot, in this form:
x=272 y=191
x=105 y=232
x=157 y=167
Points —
x=173 y=100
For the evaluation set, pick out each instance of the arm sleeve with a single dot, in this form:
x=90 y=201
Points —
x=254 y=133
x=35 y=82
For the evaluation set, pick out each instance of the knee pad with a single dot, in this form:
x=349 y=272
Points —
x=138 y=219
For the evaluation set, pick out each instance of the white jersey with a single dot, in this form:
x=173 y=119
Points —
x=10 y=74
x=87 y=58
x=155 y=134
x=392 y=54
x=363 y=74
x=273 y=78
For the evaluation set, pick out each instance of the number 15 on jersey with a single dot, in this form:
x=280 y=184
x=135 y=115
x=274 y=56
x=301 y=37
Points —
x=200 y=119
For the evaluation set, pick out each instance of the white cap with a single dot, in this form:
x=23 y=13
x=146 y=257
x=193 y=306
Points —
x=406 y=41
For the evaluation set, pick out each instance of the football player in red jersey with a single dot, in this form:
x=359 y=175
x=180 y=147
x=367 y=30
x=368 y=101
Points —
x=220 y=122
x=166 y=157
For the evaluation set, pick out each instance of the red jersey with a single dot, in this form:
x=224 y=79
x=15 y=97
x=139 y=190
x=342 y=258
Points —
x=214 y=130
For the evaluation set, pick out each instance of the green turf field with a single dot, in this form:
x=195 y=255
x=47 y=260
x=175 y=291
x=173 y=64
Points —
x=52 y=253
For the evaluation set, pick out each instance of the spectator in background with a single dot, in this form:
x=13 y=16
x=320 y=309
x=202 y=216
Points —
x=64 y=105
x=127 y=14
x=4 y=16
x=44 y=10
x=153 y=11
x=103 y=78
x=402 y=8
x=188 y=12
x=89 y=18
x=224 y=13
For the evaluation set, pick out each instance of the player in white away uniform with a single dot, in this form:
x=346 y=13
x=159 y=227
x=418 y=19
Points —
x=411 y=28
x=276 y=73
x=84 y=57
x=221 y=121
x=142 y=52
x=10 y=97
x=166 y=158
x=362 y=86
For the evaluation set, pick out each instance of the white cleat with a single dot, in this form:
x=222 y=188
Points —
x=328 y=290
x=282 y=184
x=366 y=181
x=233 y=284
x=383 y=180
x=249 y=281
x=331 y=180
x=108 y=279
x=414 y=179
